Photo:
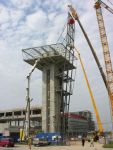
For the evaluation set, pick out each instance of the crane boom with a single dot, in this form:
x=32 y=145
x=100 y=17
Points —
x=105 y=46
x=75 y=16
x=100 y=3
x=92 y=96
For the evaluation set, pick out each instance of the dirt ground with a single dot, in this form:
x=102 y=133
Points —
x=73 y=146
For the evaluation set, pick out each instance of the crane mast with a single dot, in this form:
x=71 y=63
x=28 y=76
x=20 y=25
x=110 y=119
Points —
x=105 y=46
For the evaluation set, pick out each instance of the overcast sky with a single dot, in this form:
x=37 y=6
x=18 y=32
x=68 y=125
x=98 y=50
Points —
x=28 y=23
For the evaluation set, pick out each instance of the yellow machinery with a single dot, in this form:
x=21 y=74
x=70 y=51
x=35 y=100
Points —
x=105 y=46
x=75 y=16
x=109 y=80
x=22 y=135
x=92 y=96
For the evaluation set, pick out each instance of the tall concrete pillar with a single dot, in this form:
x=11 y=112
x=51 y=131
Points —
x=44 y=101
x=51 y=100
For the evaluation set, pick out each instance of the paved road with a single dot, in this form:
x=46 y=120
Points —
x=72 y=147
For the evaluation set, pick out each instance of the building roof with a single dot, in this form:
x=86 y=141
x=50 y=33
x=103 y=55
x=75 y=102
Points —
x=20 y=109
x=76 y=116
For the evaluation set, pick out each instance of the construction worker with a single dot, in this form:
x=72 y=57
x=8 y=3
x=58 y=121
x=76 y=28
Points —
x=83 y=141
x=92 y=142
x=29 y=142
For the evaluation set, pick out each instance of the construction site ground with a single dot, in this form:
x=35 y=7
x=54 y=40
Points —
x=72 y=146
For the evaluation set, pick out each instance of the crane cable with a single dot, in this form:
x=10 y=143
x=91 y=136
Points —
x=110 y=2
x=61 y=32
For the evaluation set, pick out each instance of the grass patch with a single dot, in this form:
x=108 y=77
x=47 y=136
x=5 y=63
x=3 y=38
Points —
x=108 y=145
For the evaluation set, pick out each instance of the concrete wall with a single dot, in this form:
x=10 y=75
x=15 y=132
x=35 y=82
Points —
x=3 y=126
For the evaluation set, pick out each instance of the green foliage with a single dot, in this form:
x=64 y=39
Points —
x=108 y=145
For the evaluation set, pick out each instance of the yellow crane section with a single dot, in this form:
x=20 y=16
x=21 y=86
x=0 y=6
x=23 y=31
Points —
x=105 y=46
x=92 y=96
x=75 y=16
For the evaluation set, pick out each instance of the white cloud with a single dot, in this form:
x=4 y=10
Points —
x=9 y=17
x=16 y=15
x=4 y=14
x=22 y=4
x=52 y=16
x=2 y=44
x=58 y=24
x=37 y=21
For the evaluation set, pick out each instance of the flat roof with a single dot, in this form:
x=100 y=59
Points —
x=56 y=53
x=19 y=109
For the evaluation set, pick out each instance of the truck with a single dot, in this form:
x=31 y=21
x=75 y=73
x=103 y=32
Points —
x=43 y=139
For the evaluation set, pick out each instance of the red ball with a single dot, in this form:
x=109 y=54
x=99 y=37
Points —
x=71 y=21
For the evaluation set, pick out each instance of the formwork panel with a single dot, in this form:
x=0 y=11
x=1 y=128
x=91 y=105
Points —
x=45 y=61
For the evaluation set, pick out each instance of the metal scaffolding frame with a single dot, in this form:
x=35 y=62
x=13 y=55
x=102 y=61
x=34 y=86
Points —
x=67 y=78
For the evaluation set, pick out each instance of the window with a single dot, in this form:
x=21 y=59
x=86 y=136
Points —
x=36 y=111
x=8 y=114
x=17 y=113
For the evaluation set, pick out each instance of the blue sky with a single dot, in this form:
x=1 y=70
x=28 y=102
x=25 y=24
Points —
x=28 y=23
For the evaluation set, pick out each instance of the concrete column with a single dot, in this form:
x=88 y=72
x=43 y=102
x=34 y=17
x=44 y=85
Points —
x=44 y=101
x=52 y=99
x=5 y=114
x=10 y=122
x=22 y=113
x=13 y=114
x=31 y=112
x=58 y=115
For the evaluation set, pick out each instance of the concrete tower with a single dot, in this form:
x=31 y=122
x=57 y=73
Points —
x=56 y=63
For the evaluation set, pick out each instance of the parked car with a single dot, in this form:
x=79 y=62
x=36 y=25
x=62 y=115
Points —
x=40 y=142
x=7 y=142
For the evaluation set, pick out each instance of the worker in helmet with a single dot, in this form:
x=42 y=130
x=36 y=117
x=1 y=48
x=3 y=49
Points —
x=29 y=142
